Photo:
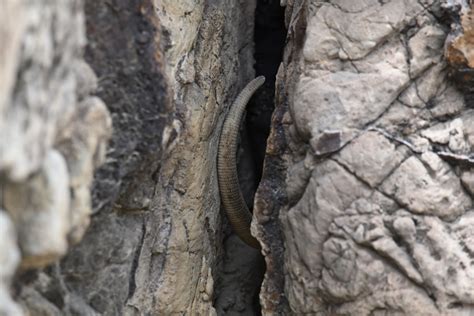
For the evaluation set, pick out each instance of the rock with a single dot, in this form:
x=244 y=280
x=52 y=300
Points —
x=423 y=90
x=467 y=180
x=33 y=301
x=372 y=157
x=344 y=30
x=40 y=210
x=41 y=96
x=11 y=31
x=428 y=186
x=375 y=223
x=45 y=99
x=167 y=73
x=82 y=140
x=364 y=205
x=425 y=47
x=9 y=259
x=334 y=94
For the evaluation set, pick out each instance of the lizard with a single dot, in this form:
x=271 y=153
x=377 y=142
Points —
x=233 y=202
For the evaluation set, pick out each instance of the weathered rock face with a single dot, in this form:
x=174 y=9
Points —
x=53 y=135
x=371 y=142
x=364 y=205
x=167 y=72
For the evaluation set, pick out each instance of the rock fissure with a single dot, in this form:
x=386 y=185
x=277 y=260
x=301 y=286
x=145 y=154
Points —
x=269 y=36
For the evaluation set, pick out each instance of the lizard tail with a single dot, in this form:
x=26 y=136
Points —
x=234 y=204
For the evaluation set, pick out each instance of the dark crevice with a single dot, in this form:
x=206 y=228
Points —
x=132 y=282
x=269 y=37
x=238 y=287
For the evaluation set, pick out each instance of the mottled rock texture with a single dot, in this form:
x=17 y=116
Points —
x=371 y=142
x=459 y=48
x=167 y=72
x=53 y=136
x=365 y=203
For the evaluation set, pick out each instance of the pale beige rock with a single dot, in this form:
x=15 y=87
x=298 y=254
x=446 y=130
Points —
x=428 y=186
x=425 y=88
x=9 y=259
x=467 y=180
x=86 y=79
x=40 y=210
x=450 y=134
x=468 y=128
x=402 y=119
x=426 y=49
x=36 y=304
x=155 y=241
x=201 y=37
x=344 y=101
x=11 y=29
x=351 y=31
x=42 y=97
x=371 y=157
x=329 y=192
x=43 y=77
x=82 y=140
x=177 y=17
x=10 y=254
x=448 y=102
x=378 y=222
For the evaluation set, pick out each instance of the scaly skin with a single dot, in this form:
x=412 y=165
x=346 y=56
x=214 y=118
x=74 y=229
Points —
x=234 y=205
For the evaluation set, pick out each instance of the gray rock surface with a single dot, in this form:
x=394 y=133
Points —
x=9 y=259
x=53 y=136
x=373 y=141
x=364 y=205
x=40 y=209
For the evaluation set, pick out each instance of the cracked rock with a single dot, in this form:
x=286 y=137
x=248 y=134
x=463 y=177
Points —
x=428 y=186
x=371 y=157
x=377 y=224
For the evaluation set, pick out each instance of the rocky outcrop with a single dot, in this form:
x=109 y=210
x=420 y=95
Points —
x=54 y=135
x=364 y=204
x=167 y=73
x=371 y=143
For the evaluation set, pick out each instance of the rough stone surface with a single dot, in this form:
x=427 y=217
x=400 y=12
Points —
x=371 y=141
x=45 y=106
x=40 y=209
x=9 y=259
x=364 y=204
x=166 y=72
x=459 y=45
